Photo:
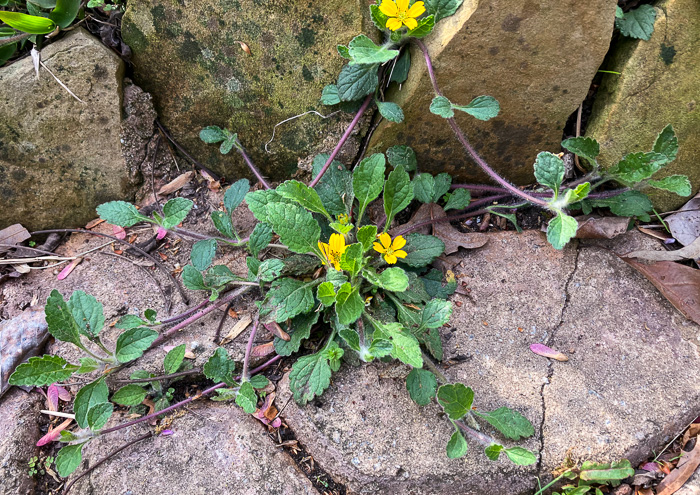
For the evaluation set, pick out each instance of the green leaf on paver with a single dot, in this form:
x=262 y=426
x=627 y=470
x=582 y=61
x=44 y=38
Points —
x=356 y=81
x=192 y=278
x=173 y=359
x=60 y=320
x=627 y=204
x=132 y=343
x=442 y=107
x=604 y=472
x=458 y=199
x=549 y=170
x=520 y=456
x=678 y=184
x=509 y=422
x=222 y=223
x=329 y=95
x=442 y=8
x=246 y=398
x=560 y=230
x=68 y=459
x=493 y=451
x=335 y=187
x=583 y=147
x=398 y=193
x=297 y=228
x=219 y=367
x=120 y=213
x=299 y=329
x=456 y=400
x=399 y=73
x=41 y=371
x=91 y=394
x=424 y=187
x=406 y=347
x=87 y=365
x=401 y=155
x=302 y=194
x=270 y=269
x=87 y=312
x=436 y=287
x=436 y=313
x=422 y=249
x=364 y=51
x=259 y=238
x=203 y=253
x=99 y=414
x=212 y=134
x=390 y=111
x=666 y=143
x=310 y=376
x=366 y=236
x=235 y=194
x=637 y=23
x=421 y=385
x=368 y=179
x=457 y=446
x=635 y=167
x=291 y=297
x=175 y=211
x=130 y=395
x=481 y=108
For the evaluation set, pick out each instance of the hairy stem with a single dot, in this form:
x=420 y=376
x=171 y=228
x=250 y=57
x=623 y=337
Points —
x=248 y=349
x=483 y=439
x=263 y=366
x=195 y=371
x=345 y=136
x=186 y=313
x=239 y=147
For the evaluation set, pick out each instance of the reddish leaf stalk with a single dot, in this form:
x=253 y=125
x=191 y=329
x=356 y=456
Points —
x=253 y=168
x=186 y=313
x=248 y=349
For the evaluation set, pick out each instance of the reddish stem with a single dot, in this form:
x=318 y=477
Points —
x=442 y=219
x=250 y=164
x=248 y=349
x=186 y=313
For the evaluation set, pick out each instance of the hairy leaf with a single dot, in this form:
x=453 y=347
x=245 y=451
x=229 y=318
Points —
x=175 y=211
x=549 y=170
x=356 y=81
x=424 y=187
x=219 y=367
x=246 y=398
x=302 y=194
x=422 y=249
x=442 y=8
x=173 y=359
x=41 y=371
x=132 y=343
x=458 y=200
x=291 y=297
x=99 y=414
x=456 y=400
x=362 y=50
x=421 y=385
x=509 y=422
x=259 y=238
x=481 y=107
x=60 y=320
x=457 y=446
x=520 y=456
x=637 y=23
x=91 y=394
x=130 y=395
x=235 y=194
x=299 y=329
x=368 y=179
x=87 y=312
x=583 y=147
x=310 y=376
x=398 y=193
x=401 y=155
x=390 y=111
x=68 y=459
x=297 y=228
x=203 y=253
x=560 y=230
x=442 y=107
x=120 y=213
x=679 y=184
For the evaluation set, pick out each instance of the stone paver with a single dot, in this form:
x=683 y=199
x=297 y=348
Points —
x=19 y=431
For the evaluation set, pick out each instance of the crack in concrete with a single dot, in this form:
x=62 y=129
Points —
x=550 y=368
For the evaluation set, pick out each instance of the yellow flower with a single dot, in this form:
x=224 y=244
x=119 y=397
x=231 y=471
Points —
x=390 y=250
x=343 y=219
x=333 y=250
x=400 y=14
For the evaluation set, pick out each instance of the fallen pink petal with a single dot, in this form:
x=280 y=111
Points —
x=166 y=433
x=67 y=270
x=161 y=233
x=548 y=352
x=119 y=232
x=54 y=434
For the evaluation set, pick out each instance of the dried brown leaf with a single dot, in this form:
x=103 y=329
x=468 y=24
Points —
x=14 y=234
x=263 y=350
x=176 y=184
x=277 y=331
x=690 y=252
x=678 y=283
x=237 y=329
x=21 y=337
x=595 y=227
x=685 y=469
x=685 y=224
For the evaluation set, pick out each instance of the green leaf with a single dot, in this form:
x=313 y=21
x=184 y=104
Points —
x=132 y=343
x=219 y=367
x=399 y=73
x=351 y=338
x=44 y=4
x=222 y=222
x=299 y=329
x=393 y=279
x=228 y=145
x=343 y=51
x=291 y=297
x=300 y=264
x=443 y=182
x=457 y=446
x=366 y=236
x=398 y=193
x=326 y=293
x=224 y=394
x=91 y=394
x=310 y=376
x=436 y=313
x=87 y=312
x=356 y=81
x=203 y=253
x=638 y=23
x=434 y=286
x=424 y=187
x=175 y=211
x=603 y=473
x=351 y=259
x=334 y=353
x=561 y=229
x=131 y=395
x=40 y=371
x=619 y=13
x=65 y=12
x=421 y=385
x=259 y=382
x=406 y=347
x=424 y=28
x=422 y=249
x=253 y=267
x=68 y=459
x=99 y=414
x=270 y=269
x=635 y=167
x=442 y=8
x=130 y=321
x=678 y=184
x=509 y=422
x=212 y=134
x=416 y=292
x=456 y=400
x=549 y=170
x=667 y=144
x=302 y=194
x=380 y=348
x=192 y=278
x=349 y=304
x=60 y=320
x=579 y=193
x=87 y=365
x=235 y=194
x=246 y=398
x=151 y=315
x=258 y=200
x=378 y=18
x=296 y=227
x=481 y=107
x=520 y=456
x=368 y=179
x=362 y=50
x=390 y=111
x=458 y=200
x=120 y=213
x=173 y=359
x=335 y=187
x=627 y=204
x=584 y=147
x=401 y=155
x=442 y=107
x=27 y=23
x=329 y=95
x=259 y=238
x=493 y=451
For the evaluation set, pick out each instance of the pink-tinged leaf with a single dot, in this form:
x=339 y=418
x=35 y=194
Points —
x=548 y=352
x=63 y=394
x=277 y=331
x=52 y=398
x=161 y=233
x=119 y=232
x=166 y=433
x=263 y=350
x=54 y=434
x=651 y=466
x=67 y=270
x=268 y=413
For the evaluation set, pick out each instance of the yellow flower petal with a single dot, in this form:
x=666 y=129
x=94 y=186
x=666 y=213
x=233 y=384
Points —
x=393 y=24
x=324 y=250
x=402 y=5
x=388 y=8
x=400 y=254
x=379 y=248
x=385 y=239
x=398 y=243
x=411 y=23
x=337 y=243
x=416 y=9
x=390 y=258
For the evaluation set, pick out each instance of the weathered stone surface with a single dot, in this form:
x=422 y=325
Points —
x=631 y=381
x=536 y=58
x=692 y=486
x=192 y=61
x=366 y=431
x=214 y=449
x=60 y=158
x=19 y=431
x=659 y=84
